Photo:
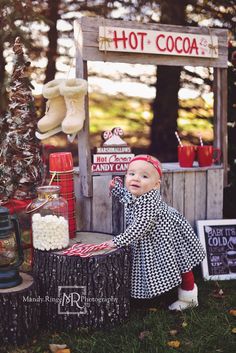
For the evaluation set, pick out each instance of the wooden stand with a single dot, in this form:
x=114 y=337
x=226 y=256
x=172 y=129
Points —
x=19 y=312
x=83 y=292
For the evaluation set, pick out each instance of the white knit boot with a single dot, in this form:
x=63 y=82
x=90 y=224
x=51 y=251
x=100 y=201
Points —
x=56 y=108
x=186 y=299
x=73 y=91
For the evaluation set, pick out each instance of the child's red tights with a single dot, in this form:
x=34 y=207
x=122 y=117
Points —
x=187 y=280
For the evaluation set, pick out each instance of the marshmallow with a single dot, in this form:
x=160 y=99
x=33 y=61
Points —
x=50 y=232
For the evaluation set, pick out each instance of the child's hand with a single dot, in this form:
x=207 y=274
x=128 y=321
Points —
x=113 y=182
x=109 y=244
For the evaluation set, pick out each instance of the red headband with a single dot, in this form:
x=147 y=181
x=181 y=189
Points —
x=149 y=159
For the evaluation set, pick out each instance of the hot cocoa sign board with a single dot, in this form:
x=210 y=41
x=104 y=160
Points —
x=219 y=240
x=157 y=42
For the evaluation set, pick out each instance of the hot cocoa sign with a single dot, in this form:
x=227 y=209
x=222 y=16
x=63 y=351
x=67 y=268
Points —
x=157 y=42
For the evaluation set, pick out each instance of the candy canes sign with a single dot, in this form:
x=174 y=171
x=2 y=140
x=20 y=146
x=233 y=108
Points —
x=157 y=42
x=114 y=155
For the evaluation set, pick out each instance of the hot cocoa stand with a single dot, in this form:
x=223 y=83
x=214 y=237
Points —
x=197 y=192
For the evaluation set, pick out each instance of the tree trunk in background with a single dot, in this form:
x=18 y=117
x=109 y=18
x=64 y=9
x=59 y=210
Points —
x=2 y=81
x=165 y=105
x=53 y=16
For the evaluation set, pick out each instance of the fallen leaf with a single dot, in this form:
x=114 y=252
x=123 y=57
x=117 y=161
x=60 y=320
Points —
x=233 y=330
x=174 y=344
x=55 y=347
x=173 y=332
x=153 y=310
x=144 y=334
x=66 y=350
x=218 y=293
x=232 y=312
x=184 y=324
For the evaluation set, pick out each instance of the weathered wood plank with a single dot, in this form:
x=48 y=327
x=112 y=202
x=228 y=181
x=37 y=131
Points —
x=83 y=135
x=117 y=215
x=83 y=206
x=189 y=197
x=89 y=29
x=214 y=194
x=167 y=188
x=102 y=205
x=200 y=195
x=178 y=192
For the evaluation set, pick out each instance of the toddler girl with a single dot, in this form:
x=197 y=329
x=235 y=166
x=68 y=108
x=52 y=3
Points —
x=164 y=245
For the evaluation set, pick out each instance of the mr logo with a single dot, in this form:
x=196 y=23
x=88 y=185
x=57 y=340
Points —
x=72 y=300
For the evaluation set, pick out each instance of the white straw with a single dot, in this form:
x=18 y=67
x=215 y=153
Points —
x=200 y=138
x=180 y=143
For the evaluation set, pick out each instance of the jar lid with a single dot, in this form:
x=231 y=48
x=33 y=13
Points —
x=49 y=189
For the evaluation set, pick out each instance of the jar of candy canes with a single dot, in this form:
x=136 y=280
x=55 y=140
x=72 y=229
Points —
x=50 y=227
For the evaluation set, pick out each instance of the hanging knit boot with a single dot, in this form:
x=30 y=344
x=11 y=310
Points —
x=73 y=91
x=55 y=109
x=186 y=299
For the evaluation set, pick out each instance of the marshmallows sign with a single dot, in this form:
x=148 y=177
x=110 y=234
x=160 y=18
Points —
x=155 y=42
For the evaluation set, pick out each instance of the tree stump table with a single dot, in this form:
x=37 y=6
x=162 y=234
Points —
x=90 y=292
x=19 y=312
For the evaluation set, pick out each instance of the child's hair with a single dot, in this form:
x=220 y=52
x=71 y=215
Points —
x=150 y=159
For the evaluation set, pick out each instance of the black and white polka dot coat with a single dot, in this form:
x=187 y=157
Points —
x=163 y=243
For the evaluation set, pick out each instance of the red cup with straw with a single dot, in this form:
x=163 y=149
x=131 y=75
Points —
x=186 y=154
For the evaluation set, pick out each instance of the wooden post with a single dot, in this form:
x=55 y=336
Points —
x=220 y=115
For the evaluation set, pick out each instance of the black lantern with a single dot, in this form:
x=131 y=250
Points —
x=11 y=252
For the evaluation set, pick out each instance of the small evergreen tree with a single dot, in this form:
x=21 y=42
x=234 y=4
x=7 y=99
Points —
x=21 y=166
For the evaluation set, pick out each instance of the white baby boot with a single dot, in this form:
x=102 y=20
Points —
x=186 y=299
x=55 y=109
x=73 y=91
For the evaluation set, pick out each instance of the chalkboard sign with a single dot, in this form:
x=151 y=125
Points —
x=219 y=240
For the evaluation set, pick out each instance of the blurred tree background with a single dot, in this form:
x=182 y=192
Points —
x=149 y=119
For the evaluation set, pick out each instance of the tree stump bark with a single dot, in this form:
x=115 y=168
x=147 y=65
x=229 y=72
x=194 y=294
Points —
x=88 y=292
x=19 y=312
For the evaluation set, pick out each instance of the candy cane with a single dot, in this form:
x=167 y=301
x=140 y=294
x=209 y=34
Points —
x=84 y=250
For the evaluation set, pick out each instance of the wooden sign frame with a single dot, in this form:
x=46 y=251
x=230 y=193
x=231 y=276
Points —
x=218 y=238
x=86 y=33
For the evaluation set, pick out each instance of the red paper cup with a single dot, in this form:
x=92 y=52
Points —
x=60 y=162
x=186 y=156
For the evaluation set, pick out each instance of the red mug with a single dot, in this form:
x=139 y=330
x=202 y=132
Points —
x=205 y=155
x=186 y=156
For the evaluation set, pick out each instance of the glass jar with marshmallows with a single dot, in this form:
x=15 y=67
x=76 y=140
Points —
x=50 y=228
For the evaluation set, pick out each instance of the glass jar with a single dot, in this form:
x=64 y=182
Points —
x=50 y=228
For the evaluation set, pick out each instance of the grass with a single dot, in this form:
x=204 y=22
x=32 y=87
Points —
x=206 y=329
